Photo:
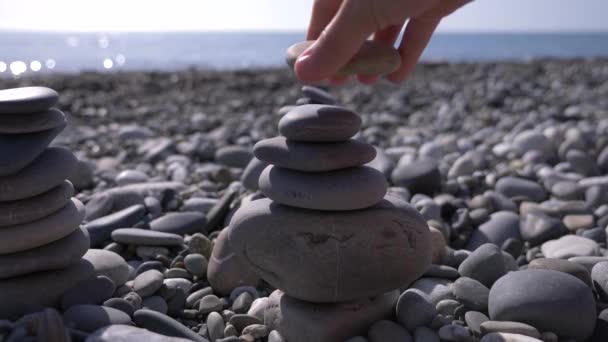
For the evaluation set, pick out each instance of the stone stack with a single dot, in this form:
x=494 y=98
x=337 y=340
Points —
x=41 y=242
x=327 y=236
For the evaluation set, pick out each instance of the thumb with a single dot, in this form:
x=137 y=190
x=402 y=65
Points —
x=338 y=43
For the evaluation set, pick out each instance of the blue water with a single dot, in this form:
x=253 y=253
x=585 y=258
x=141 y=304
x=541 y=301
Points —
x=44 y=52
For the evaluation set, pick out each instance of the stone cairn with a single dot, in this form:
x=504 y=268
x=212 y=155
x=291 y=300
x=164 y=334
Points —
x=41 y=242
x=327 y=236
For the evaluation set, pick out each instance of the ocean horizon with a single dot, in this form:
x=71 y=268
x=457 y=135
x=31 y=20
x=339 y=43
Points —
x=28 y=52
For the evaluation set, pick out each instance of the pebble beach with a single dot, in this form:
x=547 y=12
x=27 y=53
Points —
x=496 y=174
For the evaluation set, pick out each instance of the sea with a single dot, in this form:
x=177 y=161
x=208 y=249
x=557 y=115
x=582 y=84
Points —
x=31 y=52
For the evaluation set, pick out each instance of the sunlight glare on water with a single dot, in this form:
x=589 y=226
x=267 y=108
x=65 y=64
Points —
x=50 y=63
x=2 y=66
x=103 y=42
x=18 y=67
x=107 y=63
x=35 y=65
x=120 y=59
x=72 y=41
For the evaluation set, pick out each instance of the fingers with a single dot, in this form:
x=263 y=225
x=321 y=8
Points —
x=322 y=13
x=417 y=34
x=388 y=35
x=336 y=45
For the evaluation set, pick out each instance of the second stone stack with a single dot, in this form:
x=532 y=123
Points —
x=327 y=234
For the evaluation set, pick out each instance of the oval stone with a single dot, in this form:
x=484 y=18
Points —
x=136 y=236
x=30 y=235
x=322 y=256
x=37 y=207
x=547 y=300
x=56 y=255
x=313 y=157
x=373 y=58
x=501 y=226
x=89 y=318
x=49 y=170
x=180 y=223
x=27 y=100
x=32 y=122
x=347 y=189
x=108 y=264
x=319 y=123
x=251 y=174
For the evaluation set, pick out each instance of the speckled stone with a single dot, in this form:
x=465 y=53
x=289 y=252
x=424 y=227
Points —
x=319 y=123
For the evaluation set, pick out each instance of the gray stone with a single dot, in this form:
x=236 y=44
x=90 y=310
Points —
x=234 y=156
x=210 y=303
x=299 y=321
x=506 y=337
x=454 y=332
x=539 y=227
x=196 y=264
x=385 y=330
x=54 y=256
x=489 y=327
x=101 y=228
x=318 y=95
x=501 y=226
x=252 y=172
x=561 y=265
x=424 y=334
x=373 y=58
x=599 y=275
x=135 y=236
x=522 y=188
x=32 y=122
x=155 y=303
x=474 y=320
x=415 y=309
x=486 y=264
x=180 y=223
x=21 y=237
x=89 y=291
x=471 y=293
x=314 y=157
x=347 y=189
x=418 y=176
x=532 y=140
x=436 y=288
x=164 y=325
x=27 y=100
x=546 y=299
x=29 y=147
x=147 y=283
x=89 y=318
x=108 y=264
x=325 y=256
x=382 y=163
x=48 y=171
x=126 y=333
x=256 y=331
x=215 y=326
x=120 y=304
x=130 y=177
x=570 y=246
x=319 y=123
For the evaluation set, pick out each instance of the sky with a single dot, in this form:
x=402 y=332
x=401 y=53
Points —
x=281 y=15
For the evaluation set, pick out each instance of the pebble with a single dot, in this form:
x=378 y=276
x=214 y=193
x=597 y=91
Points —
x=576 y=222
x=147 y=283
x=210 y=303
x=234 y=156
x=506 y=337
x=130 y=177
x=215 y=326
x=101 y=228
x=164 y=325
x=125 y=333
x=196 y=264
x=108 y=264
x=521 y=188
x=424 y=334
x=546 y=299
x=27 y=100
x=539 y=227
x=415 y=309
x=252 y=172
x=501 y=226
x=180 y=223
x=299 y=321
x=570 y=246
x=561 y=265
x=256 y=331
x=90 y=291
x=155 y=303
x=314 y=157
x=372 y=58
x=489 y=327
x=405 y=242
x=436 y=289
x=471 y=293
x=599 y=275
x=319 y=123
x=135 y=236
x=200 y=204
x=120 y=304
x=453 y=332
x=89 y=318
x=346 y=189
x=486 y=264
x=474 y=320
x=439 y=245
x=242 y=303
x=418 y=176
x=388 y=331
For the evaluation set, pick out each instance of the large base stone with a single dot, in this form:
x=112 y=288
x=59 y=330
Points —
x=300 y=321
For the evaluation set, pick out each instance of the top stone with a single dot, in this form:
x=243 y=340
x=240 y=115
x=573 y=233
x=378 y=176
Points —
x=27 y=100
x=372 y=59
x=319 y=123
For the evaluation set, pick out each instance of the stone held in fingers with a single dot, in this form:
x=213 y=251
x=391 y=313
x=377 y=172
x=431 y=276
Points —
x=346 y=189
x=319 y=123
x=373 y=58
x=27 y=100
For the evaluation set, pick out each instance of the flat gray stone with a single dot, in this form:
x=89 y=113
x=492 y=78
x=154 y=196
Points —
x=299 y=321
x=519 y=187
x=561 y=265
x=599 y=275
x=196 y=264
x=539 y=227
x=90 y=291
x=314 y=157
x=89 y=318
x=234 y=156
x=507 y=337
x=436 y=288
x=347 y=189
x=489 y=327
x=471 y=293
x=32 y=122
x=34 y=234
x=373 y=58
x=382 y=163
x=19 y=150
x=136 y=236
x=226 y=270
x=251 y=174
x=101 y=228
x=53 y=256
x=570 y=246
x=164 y=325
x=323 y=256
x=37 y=207
x=127 y=333
x=501 y=226
x=147 y=283
x=21 y=295
x=386 y=330
x=486 y=264
x=418 y=176
x=27 y=100
x=155 y=303
x=108 y=264
x=318 y=95
x=547 y=300
x=415 y=309
x=319 y=123
x=180 y=223
x=49 y=170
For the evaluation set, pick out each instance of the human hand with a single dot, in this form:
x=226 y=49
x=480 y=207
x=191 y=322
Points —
x=341 y=26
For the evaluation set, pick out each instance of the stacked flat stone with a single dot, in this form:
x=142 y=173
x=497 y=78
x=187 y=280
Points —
x=41 y=242
x=326 y=236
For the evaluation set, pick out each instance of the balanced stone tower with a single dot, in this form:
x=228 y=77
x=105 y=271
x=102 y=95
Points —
x=41 y=242
x=327 y=236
